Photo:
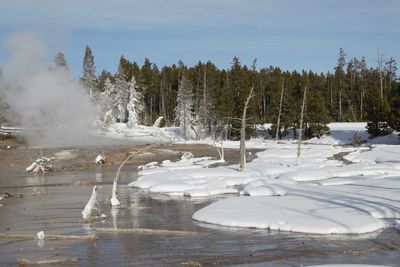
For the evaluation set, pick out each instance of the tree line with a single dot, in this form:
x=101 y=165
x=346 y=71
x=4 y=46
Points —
x=204 y=99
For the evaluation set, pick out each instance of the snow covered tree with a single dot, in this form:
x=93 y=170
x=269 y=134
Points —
x=108 y=103
x=121 y=96
x=135 y=104
x=89 y=79
x=61 y=62
x=104 y=75
x=184 y=110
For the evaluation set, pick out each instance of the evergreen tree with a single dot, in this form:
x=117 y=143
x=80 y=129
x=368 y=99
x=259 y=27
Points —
x=378 y=108
x=104 y=75
x=184 y=110
x=390 y=71
x=317 y=115
x=121 y=96
x=61 y=62
x=109 y=103
x=394 y=117
x=89 y=79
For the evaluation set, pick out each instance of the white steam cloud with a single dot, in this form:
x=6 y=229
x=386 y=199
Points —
x=46 y=100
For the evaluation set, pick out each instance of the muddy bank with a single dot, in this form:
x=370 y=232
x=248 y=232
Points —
x=82 y=158
x=72 y=162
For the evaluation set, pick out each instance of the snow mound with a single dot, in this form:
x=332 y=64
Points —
x=263 y=190
x=290 y=213
x=306 y=175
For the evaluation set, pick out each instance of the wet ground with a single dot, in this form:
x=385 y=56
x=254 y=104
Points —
x=53 y=203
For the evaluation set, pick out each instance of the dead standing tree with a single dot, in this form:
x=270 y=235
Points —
x=114 y=201
x=242 y=163
x=278 y=125
x=301 y=125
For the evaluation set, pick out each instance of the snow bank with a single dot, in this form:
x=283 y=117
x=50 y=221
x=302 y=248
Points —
x=289 y=213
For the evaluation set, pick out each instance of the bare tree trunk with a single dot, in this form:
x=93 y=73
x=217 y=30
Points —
x=197 y=91
x=264 y=100
x=278 y=125
x=243 y=132
x=205 y=88
x=380 y=66
x=163 y=104
x=361 y=104
x=340 y=99
x=114 y=194
x=381 y=84
x=205 y=101
x=301 y=125
x=171 y=116
x=331 y=97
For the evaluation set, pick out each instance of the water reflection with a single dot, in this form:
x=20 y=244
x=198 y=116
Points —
x=37 y=182
x=99 y=177
x=114 y=215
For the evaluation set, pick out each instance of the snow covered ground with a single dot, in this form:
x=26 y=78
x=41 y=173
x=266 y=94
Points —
x=319 y=195
x=141 y=134
x=341 y=133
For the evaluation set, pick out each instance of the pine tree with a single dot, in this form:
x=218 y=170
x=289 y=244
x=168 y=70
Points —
x=390 y=71
x=121 y=96
x=108 y=103
x=102 y=79
x=317 y=115
x=89 y=79
x=135 y=104
x=184 y=110
x=378 y=108
x=61 y=62
x=394 y=118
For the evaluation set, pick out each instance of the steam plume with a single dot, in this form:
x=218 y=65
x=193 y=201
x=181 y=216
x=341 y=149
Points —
x=45 y=99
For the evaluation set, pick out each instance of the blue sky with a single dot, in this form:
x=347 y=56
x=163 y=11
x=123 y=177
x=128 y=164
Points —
x=294 y=35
